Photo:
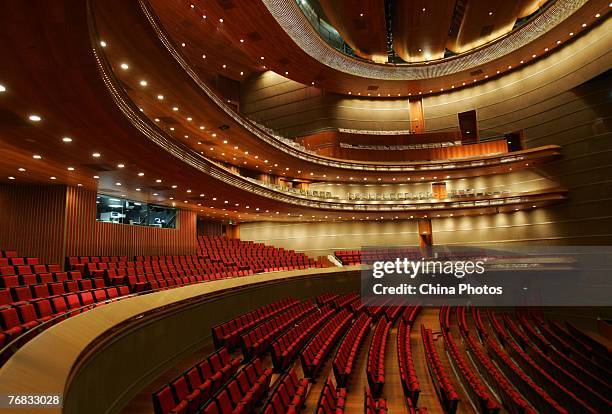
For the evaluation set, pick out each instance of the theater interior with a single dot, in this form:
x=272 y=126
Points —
x=194 y=195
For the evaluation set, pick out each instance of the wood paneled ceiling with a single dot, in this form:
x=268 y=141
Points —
x=362 y=24
x=445 y=27
x=59 y=124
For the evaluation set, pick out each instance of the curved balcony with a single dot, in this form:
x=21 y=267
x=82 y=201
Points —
x=287 y=152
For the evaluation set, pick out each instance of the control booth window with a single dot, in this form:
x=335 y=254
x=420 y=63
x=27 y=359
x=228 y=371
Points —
x=111 y=209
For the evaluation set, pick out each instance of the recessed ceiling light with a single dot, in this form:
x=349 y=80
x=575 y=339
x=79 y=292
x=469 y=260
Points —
x=571 y=33
x=220 y=20
x=174 y=186
x=21 y=169
x=102 y=43
x=597 y=15
x=52 y=178
x=160 y=97
x=96 y=155
x=67 y=139
x=118 y=184
x=158 y=181
x=70 y=168
x=2 y=88
x=120 y=165
x=183 y=44
x=143 y=83
x=175 y=108
x=124 y=66
x=490 y=13
x=34 y=118
x=11 y=178
x=203 y=56
x=36 y=156
x=96 y=177
x=138 y=189
x=224 y=66
x=155 y=194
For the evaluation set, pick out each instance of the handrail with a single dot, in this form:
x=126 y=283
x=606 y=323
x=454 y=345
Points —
x=207 y=166
x=290 y=18
x=286 y=145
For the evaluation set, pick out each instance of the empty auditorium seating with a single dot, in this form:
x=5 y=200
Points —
x=332 y=399
x=445 y=388
x=408 y=376
x=243 y=392
x=347 y=352
x=228 y=333
x=375 y=369
x=257 y=341
x=372 y=405
x=290 y=343
x=315 y=352
x=32 y=293
x=288 y=396
x=479 y=393
x=194 y=387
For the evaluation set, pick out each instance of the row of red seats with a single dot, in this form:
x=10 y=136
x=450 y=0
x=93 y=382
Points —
x=243 y=393
x=375 y=369
x=8 y=253
x=563 y=395
x=28 y=269
x=539 y=398
x=289 y=396
x=36 y=278
x=579 y=388
x=228 y=333
x=289 y=344
x=444 y=387
x=258 y=340
x=326 y=298
x=408 y=376
x=561 y=353
x=372 y=405
x=332 y=399
x=582 y=351
x=22 y=317
x=479 y=393
x=345 y=300
x=347 y=352
x=189 y=391
x=315 y=352
x=18 y=261
x=18 y=294
x=512 y=400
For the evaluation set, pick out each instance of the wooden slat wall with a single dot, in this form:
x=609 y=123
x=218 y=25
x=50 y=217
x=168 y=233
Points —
x=32 y=220
x=86 y=237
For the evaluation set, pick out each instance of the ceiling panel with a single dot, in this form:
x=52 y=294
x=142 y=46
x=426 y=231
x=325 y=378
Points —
x=362 y=25
x=420 y=28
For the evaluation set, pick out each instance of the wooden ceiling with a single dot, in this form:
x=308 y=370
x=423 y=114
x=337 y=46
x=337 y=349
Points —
x=264 y=37
x=362 y=25
x=59 y=125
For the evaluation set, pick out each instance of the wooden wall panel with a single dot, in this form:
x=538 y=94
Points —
x=32 y=220
x=85 y=236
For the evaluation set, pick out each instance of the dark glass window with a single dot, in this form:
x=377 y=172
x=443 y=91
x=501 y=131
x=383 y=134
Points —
x=112 y=209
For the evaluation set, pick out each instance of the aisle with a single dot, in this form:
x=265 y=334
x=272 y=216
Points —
x=393 y=391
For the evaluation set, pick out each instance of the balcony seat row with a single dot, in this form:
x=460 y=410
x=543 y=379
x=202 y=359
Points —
x=375 y=369
x=194 y=387
x=449 y=398
x=289 y=396
x=408 y=376
x=228 y=333
x=286 y=348
x=346 y=356
x=345 y=300
x=479 y=393
x=373 y=405
x=332 y=399
x=314 y=353
x=18 y=294
x=257 y=341
x=244 y=392
x=21 y=317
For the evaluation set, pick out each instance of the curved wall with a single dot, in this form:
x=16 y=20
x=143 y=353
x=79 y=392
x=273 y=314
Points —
x=564 y=99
